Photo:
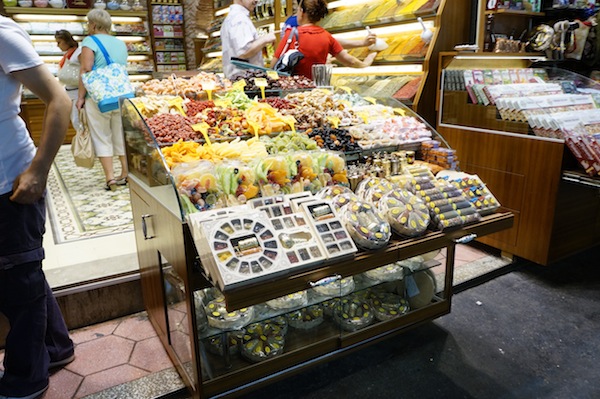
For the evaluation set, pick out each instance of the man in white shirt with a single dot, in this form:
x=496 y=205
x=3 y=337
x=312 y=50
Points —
x=240 y=38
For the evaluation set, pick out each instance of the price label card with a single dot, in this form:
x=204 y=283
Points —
x=222 y=103
x=254 y=127
x=177 y=103
x=261 y=83
x=209 y=85
x=364 y=116
x=203 y=128
x=273 y=75
x=334 y=120
x=239 y=85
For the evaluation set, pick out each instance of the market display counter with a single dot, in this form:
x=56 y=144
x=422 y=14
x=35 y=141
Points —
x=557 y=211
x=166 y=249
x=263 y=334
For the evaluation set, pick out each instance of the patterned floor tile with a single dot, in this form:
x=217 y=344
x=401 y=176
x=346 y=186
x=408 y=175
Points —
x=101 y=354
x=78 y=205
x=109 y=378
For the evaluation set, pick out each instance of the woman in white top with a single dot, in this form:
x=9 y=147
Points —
x=69 y=69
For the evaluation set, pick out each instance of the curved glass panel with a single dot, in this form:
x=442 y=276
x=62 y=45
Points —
x=146 y=161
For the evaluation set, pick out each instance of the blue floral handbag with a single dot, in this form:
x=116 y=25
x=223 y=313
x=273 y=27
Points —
x=107 y=85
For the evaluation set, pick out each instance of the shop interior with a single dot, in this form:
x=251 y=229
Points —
x=280 y=228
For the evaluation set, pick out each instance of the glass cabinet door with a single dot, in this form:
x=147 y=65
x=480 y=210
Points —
x=320 y=317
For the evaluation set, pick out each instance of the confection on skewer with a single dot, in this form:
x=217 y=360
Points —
x=219 y=317
x=353 y=313
x=262 y=341
x=289 y=301
x=388 y=306
x=306 y=318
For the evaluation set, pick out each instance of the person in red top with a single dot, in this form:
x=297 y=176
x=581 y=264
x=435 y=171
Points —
x=315 y=42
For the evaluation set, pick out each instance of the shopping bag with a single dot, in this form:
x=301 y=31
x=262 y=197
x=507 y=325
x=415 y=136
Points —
x=81 y=145
x=107 y=85
x=69 y=75
x=289 y=57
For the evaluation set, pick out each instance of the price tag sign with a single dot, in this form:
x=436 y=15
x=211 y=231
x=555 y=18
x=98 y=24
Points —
x=334 y=120
x=203 y=128
x=261 y=83
x=273 y=75
x=254 y=127
x=239 y=85
x=364 y=116
x=371 y=100
x=222 y=103
x=177 y=103
x=209 y=87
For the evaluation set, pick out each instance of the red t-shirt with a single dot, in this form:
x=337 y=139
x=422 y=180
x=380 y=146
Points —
x=315 y=43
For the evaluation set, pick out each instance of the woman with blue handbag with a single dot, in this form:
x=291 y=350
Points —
x=99 y=50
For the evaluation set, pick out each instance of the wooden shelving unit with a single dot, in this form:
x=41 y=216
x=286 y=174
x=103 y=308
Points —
x=447 y=34
x=554 y=216
x=166 y=24
x=506 y=22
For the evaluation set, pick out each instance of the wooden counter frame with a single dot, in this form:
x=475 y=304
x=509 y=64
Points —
x=553 y=218
x=170 y=237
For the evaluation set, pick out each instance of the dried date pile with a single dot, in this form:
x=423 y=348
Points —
x=333 y=139
x=249 y=76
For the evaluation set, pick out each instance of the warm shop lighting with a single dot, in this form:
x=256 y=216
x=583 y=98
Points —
x=45 y=18
x=222 y=12
x=137 y=78
x=70 y=18
x=137 y=58
x=51 y=58
x=386 y=30
x=379 y=70
x=132 y=39
x=125 y=20
x=345 y=3
x=215 y=54
x=533 y=58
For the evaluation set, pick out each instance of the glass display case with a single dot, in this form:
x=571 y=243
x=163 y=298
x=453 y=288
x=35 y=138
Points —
x=529 y=132
x=230 y=338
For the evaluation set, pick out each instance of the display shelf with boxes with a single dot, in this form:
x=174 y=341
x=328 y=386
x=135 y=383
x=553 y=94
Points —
x=260 y=262
x=130 y=25
x=168 y=35
x=530 y=133
x=414 y=32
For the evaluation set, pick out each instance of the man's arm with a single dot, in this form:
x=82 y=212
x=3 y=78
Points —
x=30 y=185
x=254 y=47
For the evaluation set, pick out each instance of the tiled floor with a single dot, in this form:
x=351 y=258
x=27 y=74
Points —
x=110 y=354
x=124 y=358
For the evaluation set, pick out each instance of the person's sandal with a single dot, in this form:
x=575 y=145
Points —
x=121 y=181
x=111 y=185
